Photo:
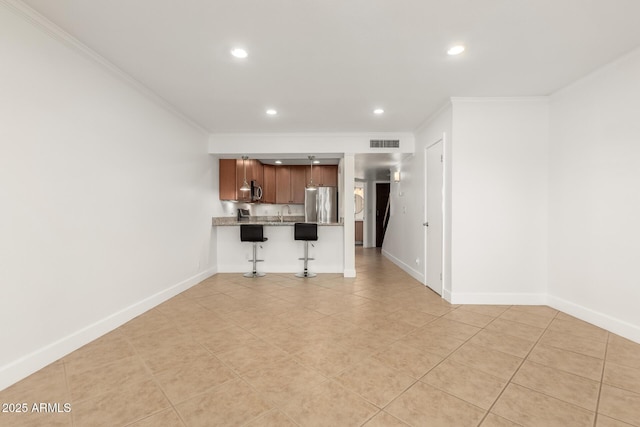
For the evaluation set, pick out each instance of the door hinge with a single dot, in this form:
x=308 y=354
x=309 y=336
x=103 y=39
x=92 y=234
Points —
x=440 y=276
x=441 y=158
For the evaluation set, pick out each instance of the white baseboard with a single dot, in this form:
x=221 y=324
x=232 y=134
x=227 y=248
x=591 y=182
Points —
x=611 y=324
x=351 y=272
x=405 y=267
x=446 y=294
x=497 y=298
x=32 y=362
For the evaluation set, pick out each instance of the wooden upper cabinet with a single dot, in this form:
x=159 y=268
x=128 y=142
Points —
x=243 y=196
x=283 y=184
x=329 y=176
x=298 y=184
x=227 y=179
x=290 y=184
x=323 y=175
x=317 y=174
x=269 y=184
x=255 y=172
x=280 y=184
x=232 y=177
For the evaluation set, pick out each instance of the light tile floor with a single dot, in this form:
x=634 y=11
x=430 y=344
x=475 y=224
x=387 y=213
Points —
x=378 y=350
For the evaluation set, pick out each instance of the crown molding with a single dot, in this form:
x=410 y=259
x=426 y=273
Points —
x=426 y=122
x=54 y=31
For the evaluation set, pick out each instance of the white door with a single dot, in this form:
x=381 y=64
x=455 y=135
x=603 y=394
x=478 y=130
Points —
x=434 y=214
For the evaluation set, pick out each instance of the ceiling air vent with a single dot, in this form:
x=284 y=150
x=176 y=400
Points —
x=384 y=143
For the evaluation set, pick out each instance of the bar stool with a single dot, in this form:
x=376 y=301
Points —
x=253 y=233
x=308 y=232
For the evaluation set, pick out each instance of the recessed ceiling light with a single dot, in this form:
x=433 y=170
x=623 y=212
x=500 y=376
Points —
x=239 y=52
x=315 y=162
x=271 y=112
x=378 y=111
x=278 y=162
x=455 y=50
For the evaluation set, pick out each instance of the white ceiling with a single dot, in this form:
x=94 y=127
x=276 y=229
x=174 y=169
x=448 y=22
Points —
x=324 y=65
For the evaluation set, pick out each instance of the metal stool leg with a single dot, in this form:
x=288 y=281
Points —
x=306 y=272
x=254 y=271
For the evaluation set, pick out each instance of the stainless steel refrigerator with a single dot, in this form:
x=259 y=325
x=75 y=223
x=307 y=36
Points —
x=321 y=205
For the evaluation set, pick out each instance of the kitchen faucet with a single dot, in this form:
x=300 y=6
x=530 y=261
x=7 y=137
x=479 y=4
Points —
x=281 y=215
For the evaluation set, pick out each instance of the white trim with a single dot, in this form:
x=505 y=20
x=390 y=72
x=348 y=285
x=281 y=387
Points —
x=598 y=71
x=54 y=31
x=38 y=359
x=349 y=272
x=446 y=294
x=464 y=99
x=426 y=122
x=443 y=204
x=612 y=324
x=498 y=298
x=405 y=267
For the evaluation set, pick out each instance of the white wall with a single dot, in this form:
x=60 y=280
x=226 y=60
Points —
x=404 y=240
x=499 y=200
x=105 y=199
x=594 y=189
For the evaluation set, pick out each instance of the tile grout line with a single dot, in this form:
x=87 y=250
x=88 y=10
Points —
x=395 y=296
x=604 y=367
x=240 y=377
x=66 y=379
x=157 y=383
x=524 y=359
x=457 y=348
x=434 y=367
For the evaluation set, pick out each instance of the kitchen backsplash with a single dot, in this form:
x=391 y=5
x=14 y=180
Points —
x=256 y=209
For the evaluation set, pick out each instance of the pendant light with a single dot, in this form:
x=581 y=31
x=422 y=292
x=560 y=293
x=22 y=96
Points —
x=311 y=185
x=245 y=186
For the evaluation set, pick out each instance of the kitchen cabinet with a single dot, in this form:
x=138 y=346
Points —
x=283 y=184
x=227 y=179
x=290 y=184
x=243 y=196
x=280 y=184
x=323 y=175
x=329 y=176
x=231 y=177
x=254 y=173
x=269 y=184
x=298 y=184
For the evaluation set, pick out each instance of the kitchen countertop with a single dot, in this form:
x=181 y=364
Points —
x=264 y=220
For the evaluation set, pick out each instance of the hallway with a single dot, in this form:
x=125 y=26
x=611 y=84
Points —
x=377 y=350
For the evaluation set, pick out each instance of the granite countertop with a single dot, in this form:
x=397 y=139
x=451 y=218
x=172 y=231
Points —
x=264 y=220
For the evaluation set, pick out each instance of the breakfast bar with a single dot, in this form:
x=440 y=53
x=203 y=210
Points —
x=281 y=252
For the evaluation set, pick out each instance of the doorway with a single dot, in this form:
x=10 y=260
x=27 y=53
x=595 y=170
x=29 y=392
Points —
x=434 y=214
x=382 y=211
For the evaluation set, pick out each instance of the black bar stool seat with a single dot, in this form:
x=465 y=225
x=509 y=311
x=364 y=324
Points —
x=308 y=232
x=253 y=233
